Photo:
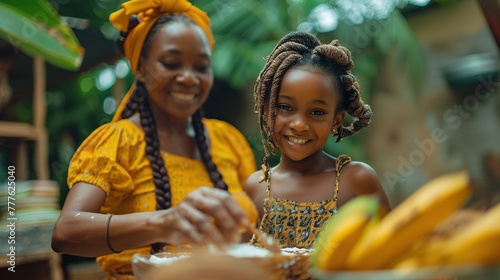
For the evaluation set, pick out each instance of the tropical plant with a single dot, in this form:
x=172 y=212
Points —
x=37 y=30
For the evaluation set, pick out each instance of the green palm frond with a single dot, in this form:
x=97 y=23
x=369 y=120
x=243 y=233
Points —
x=37 y=30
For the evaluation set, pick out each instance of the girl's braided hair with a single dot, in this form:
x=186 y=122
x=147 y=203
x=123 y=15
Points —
x=139 y=102
x=300 y=49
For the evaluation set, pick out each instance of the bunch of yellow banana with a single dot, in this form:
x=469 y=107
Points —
x=475 y=243
x=361 y=237
x=342 y=231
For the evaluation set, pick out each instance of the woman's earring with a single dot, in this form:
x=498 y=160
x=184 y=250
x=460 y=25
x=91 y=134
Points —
x=334 y=130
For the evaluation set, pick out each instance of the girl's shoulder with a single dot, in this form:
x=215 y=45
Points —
x=256 y=190
x=360 y=177
x=358 y=171
x=254 y=183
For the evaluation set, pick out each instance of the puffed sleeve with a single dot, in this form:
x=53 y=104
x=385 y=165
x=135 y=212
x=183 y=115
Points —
x=107 y=158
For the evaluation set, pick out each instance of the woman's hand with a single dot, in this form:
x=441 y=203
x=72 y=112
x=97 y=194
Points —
x=206 y=215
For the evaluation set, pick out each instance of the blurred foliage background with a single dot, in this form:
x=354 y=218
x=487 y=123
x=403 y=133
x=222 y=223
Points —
x=245 y=32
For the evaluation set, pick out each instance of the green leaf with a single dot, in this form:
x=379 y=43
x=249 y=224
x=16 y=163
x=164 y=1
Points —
x=37 y=30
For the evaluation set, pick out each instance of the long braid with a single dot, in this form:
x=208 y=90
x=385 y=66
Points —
x=299 y=49
x=160 y=175
x=139 y=102
x=131 y=107
x=201 y=143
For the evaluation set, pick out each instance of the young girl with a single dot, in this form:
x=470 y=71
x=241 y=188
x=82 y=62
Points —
x=301 y=97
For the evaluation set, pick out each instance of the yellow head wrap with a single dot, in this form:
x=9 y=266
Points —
x=149 y=11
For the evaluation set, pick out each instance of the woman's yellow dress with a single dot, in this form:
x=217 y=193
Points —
x=114 y=158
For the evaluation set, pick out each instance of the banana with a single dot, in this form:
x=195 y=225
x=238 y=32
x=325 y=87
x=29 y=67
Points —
x=341 y=232
x=417 y=256
x=477 y=243
x=411 y=220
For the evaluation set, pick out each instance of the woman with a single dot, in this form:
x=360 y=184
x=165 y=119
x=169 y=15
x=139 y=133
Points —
x=160 y=173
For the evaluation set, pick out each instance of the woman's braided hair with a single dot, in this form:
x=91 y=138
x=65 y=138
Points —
x=300 y=49
x=139 y=102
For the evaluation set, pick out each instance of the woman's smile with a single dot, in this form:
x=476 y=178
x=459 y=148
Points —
x=184 y=97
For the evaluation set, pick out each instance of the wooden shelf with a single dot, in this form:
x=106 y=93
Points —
x=21 y=133
x=19 y=130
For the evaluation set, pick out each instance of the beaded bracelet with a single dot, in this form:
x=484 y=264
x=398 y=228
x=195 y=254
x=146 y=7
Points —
x=107 y=235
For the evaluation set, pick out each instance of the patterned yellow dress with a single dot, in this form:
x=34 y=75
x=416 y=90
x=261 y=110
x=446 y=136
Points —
x=295 y=224
x=113 y=158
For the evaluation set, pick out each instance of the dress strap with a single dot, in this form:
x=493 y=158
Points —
x=268 y=189
x=339 y=163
